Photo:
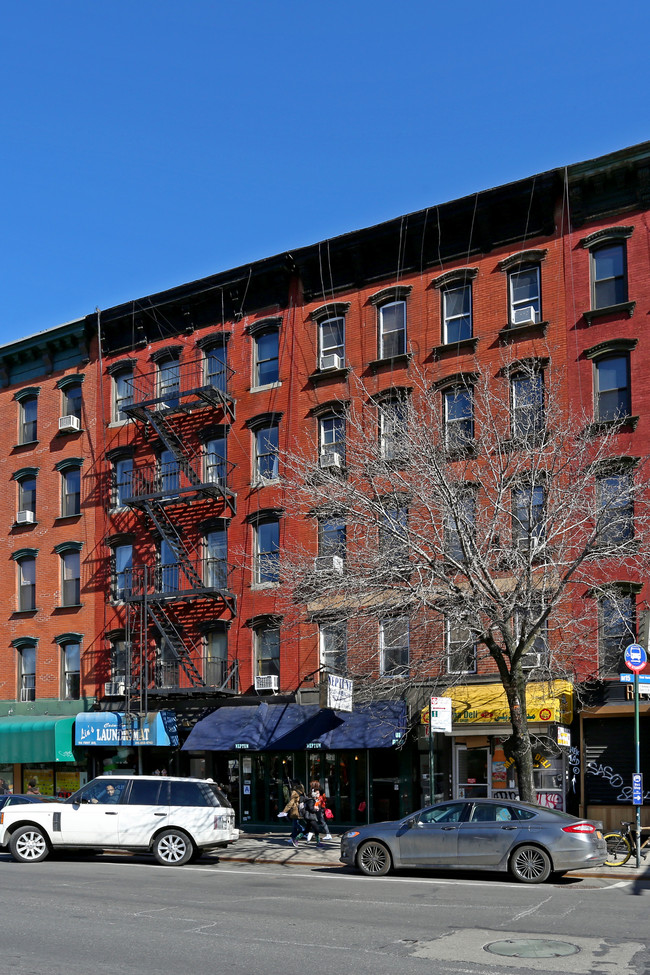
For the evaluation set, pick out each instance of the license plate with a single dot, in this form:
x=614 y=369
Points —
x=599 y=834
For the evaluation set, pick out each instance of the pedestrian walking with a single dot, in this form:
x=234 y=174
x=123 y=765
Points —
x=293 y=810
x=313 y=814
x=320 y=802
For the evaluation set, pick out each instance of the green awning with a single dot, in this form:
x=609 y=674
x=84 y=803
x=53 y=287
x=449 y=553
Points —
x=46 y=738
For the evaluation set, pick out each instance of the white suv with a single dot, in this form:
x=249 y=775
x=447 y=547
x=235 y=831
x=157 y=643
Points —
x=175 y=819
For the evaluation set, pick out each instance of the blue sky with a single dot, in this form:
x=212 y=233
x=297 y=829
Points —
x=150 y=142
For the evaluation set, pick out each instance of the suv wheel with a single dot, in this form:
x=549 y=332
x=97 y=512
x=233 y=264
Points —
x=29 y=845
x=173 y=848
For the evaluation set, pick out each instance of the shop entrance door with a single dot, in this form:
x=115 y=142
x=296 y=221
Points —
x=471 y=772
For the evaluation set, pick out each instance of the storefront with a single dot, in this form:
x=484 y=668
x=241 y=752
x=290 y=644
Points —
x=119 y=741
x=477 y=751
x=37 y=755
x=255 y=751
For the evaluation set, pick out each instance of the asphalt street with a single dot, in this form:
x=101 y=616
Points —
x=118 y=914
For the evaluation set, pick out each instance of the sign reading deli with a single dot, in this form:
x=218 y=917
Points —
x=547 y=702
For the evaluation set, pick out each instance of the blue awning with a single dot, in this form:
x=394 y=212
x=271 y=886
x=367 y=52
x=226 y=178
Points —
x=295 y=727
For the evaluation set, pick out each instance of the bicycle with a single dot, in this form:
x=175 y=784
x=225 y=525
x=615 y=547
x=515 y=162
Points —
x=622 y=845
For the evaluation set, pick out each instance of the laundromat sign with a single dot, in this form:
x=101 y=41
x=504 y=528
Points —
x=111 y=728
x=487 y=704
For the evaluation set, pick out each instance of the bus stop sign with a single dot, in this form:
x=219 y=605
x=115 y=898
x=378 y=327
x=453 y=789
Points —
x=635 y=657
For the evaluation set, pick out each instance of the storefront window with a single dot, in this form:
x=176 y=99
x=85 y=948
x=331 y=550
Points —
x=6 y=779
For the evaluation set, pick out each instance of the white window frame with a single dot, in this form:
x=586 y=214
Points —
x=259 y=433
x=337 y=348
x=268 y=665
x=123 y=393
x=532 y=406
x=595 y=281
x=447 y=318
x=262 y=558
x=403 y=647
x=385 y=332
x=258 y=361
x=535 y=301
x=456 y=645
x=331 y=435
x=333 y=644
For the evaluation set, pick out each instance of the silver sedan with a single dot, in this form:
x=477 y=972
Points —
x=530 y=841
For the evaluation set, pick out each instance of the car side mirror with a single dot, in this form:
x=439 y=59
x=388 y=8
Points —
x=413 y=821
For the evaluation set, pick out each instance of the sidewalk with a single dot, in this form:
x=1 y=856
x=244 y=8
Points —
x=274 y=848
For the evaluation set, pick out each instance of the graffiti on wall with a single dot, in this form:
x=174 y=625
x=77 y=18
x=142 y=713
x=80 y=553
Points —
x=552 y=800
x=615 y=780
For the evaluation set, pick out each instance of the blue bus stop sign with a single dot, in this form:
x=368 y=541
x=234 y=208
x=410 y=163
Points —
x=635 y=657
x=637 y=789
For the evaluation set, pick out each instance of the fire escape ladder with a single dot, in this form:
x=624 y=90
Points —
x=173 y=640
x=167 y=529
x=180 y=451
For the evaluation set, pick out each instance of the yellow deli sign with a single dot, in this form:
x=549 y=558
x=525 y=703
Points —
x=546 y=702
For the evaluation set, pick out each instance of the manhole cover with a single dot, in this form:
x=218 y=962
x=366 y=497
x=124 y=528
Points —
x=531 y=948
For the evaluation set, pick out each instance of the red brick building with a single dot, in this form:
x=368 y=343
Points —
x=199 y=392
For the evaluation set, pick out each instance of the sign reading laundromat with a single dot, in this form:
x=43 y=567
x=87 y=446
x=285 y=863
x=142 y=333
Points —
x=112 y=728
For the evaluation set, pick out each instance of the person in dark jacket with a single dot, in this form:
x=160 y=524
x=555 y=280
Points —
x=313 y=817
x=292 y=810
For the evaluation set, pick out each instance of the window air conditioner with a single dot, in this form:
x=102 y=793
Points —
x=330 y=459
x=267 y=683
x=332 y=361
x=330 y=563
x=114 y=688
x=69 y=424
x=25 y=518
x=524 y=316
x=530 y=661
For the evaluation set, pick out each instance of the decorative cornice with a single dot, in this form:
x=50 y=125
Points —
x=535 y=256
x=603 y=236
x=460 y=275
x=263 y=420
x=206 y=342
x=399 y=292
x=68 y=462
x=121 y=365
x=70 y=637
x=120 y=453
x=333 y=309
x=25 y=472
x=264 y=514
x=612 y=345
x=24 y=553
x=68 y=547
x=72 y=380
x=170 y=352
x=24 y=641
x=120 y=538
x=26 y=393
x=456 y=379
x=332 y=406
x=264 y=325
x=271 y=619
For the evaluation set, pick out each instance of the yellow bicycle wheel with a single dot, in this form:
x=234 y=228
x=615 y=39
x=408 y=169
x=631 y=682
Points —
x=619 y=849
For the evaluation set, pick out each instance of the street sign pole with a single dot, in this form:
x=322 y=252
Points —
x=432 y=758
x=637 y=747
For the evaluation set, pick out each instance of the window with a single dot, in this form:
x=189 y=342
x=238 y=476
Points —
x=27 y=671
x=71 y=400
x=392 y=329
x=393 y=536
x=71 y=659
x=216 y=367
x=331 y=432
x=267 y=650
x=27 y=419
x=608 y=275
x=70 y=574
x=123 y=571
x=215 y=660
x=459 y=418
x=617 y=629
x=267 y=352
x=331 y=538
x=612 y=387
x=26 y=496
x=215 y=548
x=169 y=380
x=461 y=649
x=460 y=527
x=168 y=568
x=527 y=406
x=457 y=313
x=615 y=508
x=215 y=460
x=538 y=654
x=266 y=452
x=393 y=428
x=118 y=658
x=266 y=567
x=122 y=392
x=166 y=666
x=528 y=515
x=333 y=646
x=122 y=480
x=394 y=646
x=331 y=343
x=169 y=473
x=525 y=296
x=26 y=577
x=70 y=492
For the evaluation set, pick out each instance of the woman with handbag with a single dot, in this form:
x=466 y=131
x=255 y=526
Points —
x=320 y=805
x=293 y=811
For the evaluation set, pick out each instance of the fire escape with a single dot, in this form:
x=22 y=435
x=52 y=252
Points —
x=162 y=492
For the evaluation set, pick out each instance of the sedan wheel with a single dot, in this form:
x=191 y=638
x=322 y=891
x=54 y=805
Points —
x=29 y=845
x=530 y=865
x=373 y=859
x=173 y=848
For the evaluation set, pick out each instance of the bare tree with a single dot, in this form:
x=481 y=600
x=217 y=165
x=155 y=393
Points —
x=468 y=526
